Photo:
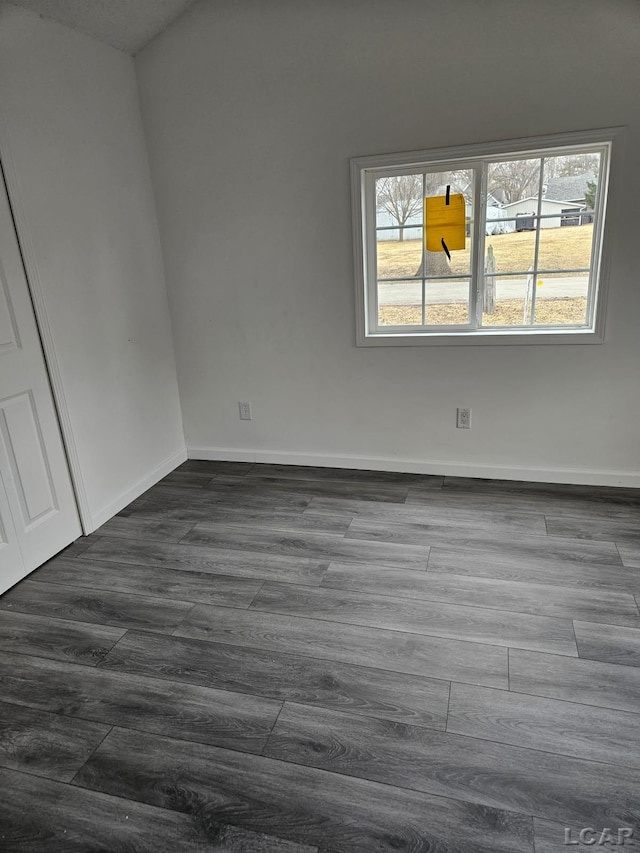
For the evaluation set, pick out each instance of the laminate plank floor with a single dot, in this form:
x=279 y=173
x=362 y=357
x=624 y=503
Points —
x=357 y=689
x=311 y=545
x=608 y=643
x=104 y=607
x=502 y=776
x=278 y=659
x=456 y=517
x=289 y=799
x=598 y=605
x=475 y=624
x=44 y=743
x=178 y=709
x=398 y=651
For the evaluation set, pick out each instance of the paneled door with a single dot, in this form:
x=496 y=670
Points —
x=38 y=514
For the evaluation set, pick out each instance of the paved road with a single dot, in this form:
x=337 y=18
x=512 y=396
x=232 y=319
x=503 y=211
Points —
x=439 y=293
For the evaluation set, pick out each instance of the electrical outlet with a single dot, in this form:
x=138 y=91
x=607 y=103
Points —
x=463 y=419
x=245 y=411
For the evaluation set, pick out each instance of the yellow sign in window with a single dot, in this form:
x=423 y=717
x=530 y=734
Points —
x=444 y=218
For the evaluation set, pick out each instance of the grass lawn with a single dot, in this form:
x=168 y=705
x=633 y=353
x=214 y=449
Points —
x=507 y=313
x=560 y=248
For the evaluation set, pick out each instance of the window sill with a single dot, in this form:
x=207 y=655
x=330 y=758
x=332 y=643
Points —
x=480 y=338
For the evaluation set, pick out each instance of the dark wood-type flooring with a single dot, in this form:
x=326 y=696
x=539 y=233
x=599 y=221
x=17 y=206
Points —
x=273 y=659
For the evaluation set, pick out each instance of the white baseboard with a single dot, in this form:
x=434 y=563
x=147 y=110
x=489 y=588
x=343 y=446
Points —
x=165 y=467
x=587 y=477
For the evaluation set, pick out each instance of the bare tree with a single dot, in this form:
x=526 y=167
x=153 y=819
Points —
x=401 y=197
x=571 y=164
x=517 y=178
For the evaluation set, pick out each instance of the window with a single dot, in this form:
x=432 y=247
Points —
x=513 y=272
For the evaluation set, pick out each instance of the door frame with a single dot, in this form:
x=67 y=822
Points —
x=9 y=174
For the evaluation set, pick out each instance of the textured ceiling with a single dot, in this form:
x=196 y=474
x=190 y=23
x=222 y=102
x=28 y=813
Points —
x=125 y=24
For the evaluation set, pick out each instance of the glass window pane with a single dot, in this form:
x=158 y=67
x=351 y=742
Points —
x=400 y=303
x=565 y=243
x=507 y=300
x=512 y=185
x=399 y=258
x=569 y=190
x=460 y=182
x=447 y=302
x=561 y=300
x=572 y=178
x=399 y=204
x=512 y=251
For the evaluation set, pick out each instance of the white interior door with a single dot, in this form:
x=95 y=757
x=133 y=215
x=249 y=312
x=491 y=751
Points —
x=38 y=514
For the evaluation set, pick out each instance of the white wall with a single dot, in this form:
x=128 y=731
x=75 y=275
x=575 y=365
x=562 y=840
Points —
x=72 y=140
x=252 y=111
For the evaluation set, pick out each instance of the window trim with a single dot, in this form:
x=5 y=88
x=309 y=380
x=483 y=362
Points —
x=363 y=202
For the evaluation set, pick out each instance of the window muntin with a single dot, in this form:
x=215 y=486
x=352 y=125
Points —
x=531 y=259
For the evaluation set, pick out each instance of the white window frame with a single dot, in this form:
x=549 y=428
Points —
x=365 y=171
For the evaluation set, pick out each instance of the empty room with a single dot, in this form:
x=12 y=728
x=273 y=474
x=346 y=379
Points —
x=319 y=445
